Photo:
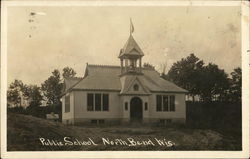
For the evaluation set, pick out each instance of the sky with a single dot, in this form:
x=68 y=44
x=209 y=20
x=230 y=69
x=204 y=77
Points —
x=57 y=37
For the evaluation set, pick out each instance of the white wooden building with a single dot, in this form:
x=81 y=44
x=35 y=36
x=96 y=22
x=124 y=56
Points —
x=122 y=94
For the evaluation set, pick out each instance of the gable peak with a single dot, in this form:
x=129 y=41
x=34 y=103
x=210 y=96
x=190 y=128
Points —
x=131 y=48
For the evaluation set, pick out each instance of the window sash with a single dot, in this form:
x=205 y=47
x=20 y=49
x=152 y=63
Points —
x=105 y=102
x=126 y=105
x=146 y=106
x=158 y=103
x=67 y=104
x=90 y=101
x=165 y=103
x=98 y=103
x=172 y=103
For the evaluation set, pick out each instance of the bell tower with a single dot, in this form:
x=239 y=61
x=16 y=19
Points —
x=131 y=55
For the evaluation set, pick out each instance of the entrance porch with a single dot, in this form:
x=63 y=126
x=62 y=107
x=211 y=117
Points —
x=135 y=109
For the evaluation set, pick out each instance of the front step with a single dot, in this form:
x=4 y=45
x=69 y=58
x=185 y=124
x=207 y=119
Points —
x=135 y=122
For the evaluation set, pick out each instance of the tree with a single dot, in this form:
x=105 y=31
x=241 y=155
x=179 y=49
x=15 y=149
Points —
x=208 y=82
x=235 y=85
x=13 y=97
x=52 y=88
x=68 y=72
x=185 y=73
x=35 y=97
x=163 y=67
x=14 y=93
x=148 y=65
x=214 y=84
x=18 y=91
x=33 y=93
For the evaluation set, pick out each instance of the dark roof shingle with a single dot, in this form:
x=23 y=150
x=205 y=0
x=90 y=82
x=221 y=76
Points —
x=101 y=77
x=131 y=48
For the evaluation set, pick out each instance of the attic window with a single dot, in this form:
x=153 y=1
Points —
x=136 y=87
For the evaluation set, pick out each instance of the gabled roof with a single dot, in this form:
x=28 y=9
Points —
x=100 y=78
x=107 y=78
x=131 y=48
x=127 y=83
x=69 y=82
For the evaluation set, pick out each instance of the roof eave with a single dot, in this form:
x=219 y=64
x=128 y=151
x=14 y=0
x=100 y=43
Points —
x=87 y=89
x=182 y=92
x=125 y=55
x=135 y=94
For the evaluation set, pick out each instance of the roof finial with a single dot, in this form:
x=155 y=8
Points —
x=131 y=27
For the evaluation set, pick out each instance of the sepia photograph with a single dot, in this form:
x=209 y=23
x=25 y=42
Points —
x=121 y=77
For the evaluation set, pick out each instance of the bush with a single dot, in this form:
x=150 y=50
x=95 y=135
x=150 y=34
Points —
x=38 y=111
x=19 y=110
x=42 y=111
x=221 y=116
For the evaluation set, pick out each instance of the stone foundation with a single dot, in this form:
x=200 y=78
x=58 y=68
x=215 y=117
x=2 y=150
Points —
x=125 y=121
x=167 y=120
x=68 y=121
x=94 y=121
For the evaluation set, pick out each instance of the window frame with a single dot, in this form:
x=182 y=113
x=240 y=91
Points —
x=158 y=103
x=98 y=104
x=88 y=102
x=105 y=96
x=126 y=106
x=146 y=106
x=67 y=104
x=94 y=121
x=165 y=103
x=101 y=121
x=172 y=104
x=136 y=87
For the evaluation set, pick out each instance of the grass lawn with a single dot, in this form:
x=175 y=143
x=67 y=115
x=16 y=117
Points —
x=25 y=133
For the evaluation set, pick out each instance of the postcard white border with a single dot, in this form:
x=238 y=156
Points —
x=130 y=154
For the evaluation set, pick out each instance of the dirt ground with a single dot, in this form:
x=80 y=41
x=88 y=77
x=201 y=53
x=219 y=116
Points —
x=27 y=133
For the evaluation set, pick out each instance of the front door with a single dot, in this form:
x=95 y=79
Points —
x=136 y=109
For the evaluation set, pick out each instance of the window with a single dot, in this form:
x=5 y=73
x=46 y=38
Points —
x=97 y=102
x=146 y=106
x=90 y=102
x=67 y=104
x=165 y=121
x=94 y=121
x=165 y=103
x=168 y=121
x=97 y=121
x=158 y=103
x=172 y=103
x=136 y=87
x=101 y=121
x=126 y=105
x=105 y=102
x=162 y=121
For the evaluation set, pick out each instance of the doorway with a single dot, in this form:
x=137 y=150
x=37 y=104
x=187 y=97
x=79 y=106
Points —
x=136 y=109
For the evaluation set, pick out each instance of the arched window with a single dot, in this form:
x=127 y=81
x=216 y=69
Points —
x=136 y=87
